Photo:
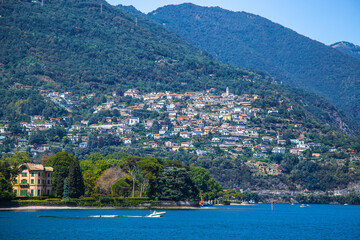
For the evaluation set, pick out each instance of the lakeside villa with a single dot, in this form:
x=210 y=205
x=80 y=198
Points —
x=33 y=180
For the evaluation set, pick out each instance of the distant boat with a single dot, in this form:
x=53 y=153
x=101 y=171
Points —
x=156 y=214
x=303 y=205
x=346 y=204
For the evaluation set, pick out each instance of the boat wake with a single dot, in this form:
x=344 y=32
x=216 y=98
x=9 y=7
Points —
x=91 y=217
x=112 y=216
x=104 y=216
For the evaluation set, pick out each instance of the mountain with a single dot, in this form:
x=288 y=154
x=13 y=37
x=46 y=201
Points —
x=66 y=64
x=90 y=46
x=247 y=40
x=348 y=48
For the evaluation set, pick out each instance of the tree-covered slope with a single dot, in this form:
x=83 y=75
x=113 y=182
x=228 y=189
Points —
x=76 y=46
x=90 y=46
x=348 y=48
x=247 y=40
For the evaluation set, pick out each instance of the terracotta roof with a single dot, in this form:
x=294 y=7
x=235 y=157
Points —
x=37 y=167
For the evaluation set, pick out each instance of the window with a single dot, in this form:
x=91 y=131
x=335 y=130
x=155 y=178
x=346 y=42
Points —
x=15 y=192
x=32 y=192
x=32 y=181
x=38 y=192
x=39 y=182
x=48 y=192
x=39 y=174
x=48 y=181
x=23 y=192
x=48 y=174
x=33 y=174
x=15 y=180
x=24 y=174
x=24 y=181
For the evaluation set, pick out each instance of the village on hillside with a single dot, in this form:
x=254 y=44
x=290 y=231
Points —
x=200 y=123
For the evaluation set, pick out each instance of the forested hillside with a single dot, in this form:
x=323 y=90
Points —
x=90 y=46
x=247 y=40
x=81 y=46
x=84 y=77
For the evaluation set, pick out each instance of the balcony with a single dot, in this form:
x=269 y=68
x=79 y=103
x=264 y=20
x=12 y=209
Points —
x=24 y=185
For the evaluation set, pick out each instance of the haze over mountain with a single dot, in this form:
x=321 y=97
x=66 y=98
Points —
x=247 y=40
x=348 y=48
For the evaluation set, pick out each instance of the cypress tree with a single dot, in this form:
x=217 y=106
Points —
x=76 y=180
x=66 y=192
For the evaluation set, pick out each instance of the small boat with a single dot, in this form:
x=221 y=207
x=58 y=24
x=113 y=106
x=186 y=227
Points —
x=303 y=205
x=156 y=214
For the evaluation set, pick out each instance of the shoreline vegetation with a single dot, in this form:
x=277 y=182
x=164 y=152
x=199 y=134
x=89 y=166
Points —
x=174 y=207
x=25 y=208
x=147 y=203
x=102 y=202
x=125 y=181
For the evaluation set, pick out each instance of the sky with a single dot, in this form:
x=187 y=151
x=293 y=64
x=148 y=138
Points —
x=327 y=21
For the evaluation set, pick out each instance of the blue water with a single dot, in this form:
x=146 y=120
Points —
x=225 y=222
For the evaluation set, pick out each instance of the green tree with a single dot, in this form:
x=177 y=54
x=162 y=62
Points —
x=208 y=187
x=130 y=166
x=156 y=127
x=6 y=190
x=14 y=161
x=92 y=169
x=66 y=190
x=176 y=184
x=76 y=180
x=150 y=168
x=61 y=164
x=122 y=187
x=89 y=182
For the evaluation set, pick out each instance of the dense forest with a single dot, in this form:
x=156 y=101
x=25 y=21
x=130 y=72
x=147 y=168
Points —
x=74 y=46
x=247 y=40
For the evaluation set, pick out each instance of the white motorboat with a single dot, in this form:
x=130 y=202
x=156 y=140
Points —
x=156 y=214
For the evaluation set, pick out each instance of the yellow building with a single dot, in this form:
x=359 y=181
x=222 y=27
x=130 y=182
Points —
x=199 y=122
x=227 y=117
x=33 y=180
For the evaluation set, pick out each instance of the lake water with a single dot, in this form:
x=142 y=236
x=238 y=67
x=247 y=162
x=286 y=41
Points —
x=224 y=222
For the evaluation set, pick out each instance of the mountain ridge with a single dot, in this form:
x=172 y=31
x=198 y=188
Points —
x=348 y=48
x=247 y=40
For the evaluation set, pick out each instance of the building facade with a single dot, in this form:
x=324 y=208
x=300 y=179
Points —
x=33 y=180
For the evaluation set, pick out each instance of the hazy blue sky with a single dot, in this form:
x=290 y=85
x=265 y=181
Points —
x=327 y=21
